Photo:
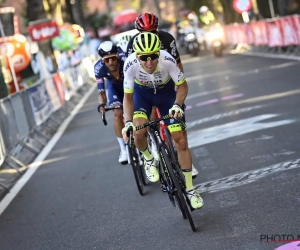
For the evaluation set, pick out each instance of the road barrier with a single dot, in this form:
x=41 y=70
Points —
x=280 y=35
x=29 y=118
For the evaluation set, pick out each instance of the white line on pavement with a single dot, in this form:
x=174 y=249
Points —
x=198 y=77
x=297 y=58
x=245 y=178
x=46 y=150
x=232 y=129
x=222 y=115
x=267 y=97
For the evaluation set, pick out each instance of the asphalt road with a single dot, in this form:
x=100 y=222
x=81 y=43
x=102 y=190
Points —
x=243 y=118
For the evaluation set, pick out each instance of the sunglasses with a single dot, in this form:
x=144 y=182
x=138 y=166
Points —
x=146 y=58
x=113 y=58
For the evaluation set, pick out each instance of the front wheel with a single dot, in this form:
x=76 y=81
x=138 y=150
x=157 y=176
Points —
x=177 y=188
x=134 y=161
x=171 y=146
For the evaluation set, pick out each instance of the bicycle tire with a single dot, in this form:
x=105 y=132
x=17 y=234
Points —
x=142 y=169
x=179 y=192
x=180 y=207
x=135 y=164
x=174 y=154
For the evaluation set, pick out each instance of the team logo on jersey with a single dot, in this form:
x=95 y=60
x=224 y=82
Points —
x=97 y=68
x=151 y=83
x=143 y=77
x=130 y=52
x=171 y=120
x=170 y=59
x=180 y=76
x=157 y=74
x=173 y=48
x=129 y=64
x=99 y=80
x=115 y=97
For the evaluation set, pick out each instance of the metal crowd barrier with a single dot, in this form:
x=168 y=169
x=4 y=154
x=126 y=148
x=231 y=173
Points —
x=29 y=118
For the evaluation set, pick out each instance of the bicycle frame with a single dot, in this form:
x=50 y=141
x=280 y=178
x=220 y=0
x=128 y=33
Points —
x=157 y=135
x=159 y=142
x=162 y=125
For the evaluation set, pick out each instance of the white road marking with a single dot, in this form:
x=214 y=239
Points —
x=33 y=167
x=266 y=55
x=283 y=65
x=198 y=77
x=268 y=157
x=267 y=97
x=232 y=129
x=245 y=178
x=261 y=138
x=222 y=115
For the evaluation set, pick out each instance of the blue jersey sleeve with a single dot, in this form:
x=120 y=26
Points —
x=99 y=75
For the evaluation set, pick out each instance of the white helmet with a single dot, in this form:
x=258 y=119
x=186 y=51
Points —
x=107 y=48
x=203 y=9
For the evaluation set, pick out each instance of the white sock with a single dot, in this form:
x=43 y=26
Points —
x=122 y=144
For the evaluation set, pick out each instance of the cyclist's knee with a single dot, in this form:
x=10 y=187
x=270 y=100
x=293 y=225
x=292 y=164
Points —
x=140 y=135
x=180 y=140
x=118 y=115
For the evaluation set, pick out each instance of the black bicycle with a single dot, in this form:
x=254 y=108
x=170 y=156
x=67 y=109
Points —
x=171 y=175
x=134 y=157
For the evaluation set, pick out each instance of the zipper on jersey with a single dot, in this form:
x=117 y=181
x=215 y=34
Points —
x=153 y=82
x=154 y=89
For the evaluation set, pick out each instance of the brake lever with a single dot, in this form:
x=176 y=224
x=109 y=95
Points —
x=103 y=118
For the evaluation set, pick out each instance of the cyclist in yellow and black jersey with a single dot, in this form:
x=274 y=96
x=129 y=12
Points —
x=149 y=78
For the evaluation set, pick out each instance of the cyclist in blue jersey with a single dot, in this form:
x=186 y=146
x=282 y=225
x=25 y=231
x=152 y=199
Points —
x=109 y=77
x=150 y=75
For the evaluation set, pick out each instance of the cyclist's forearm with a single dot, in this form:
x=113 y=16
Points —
x=102 y=97
x=181 y=93
x=128 y=107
